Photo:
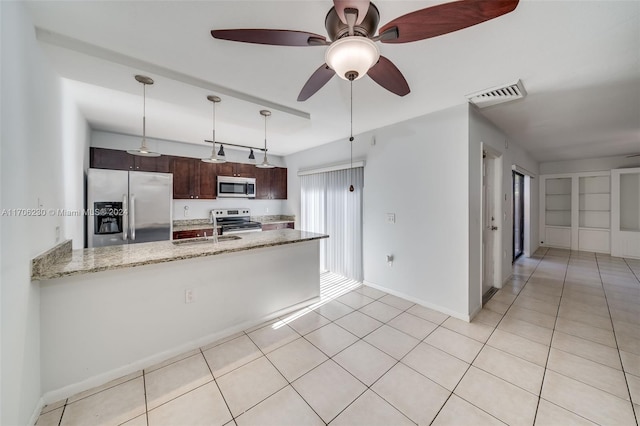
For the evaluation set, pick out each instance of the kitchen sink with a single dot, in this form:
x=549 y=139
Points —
x=201 y=240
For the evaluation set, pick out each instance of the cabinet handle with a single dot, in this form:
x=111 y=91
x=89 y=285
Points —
x=196 y=196
x=190 y=196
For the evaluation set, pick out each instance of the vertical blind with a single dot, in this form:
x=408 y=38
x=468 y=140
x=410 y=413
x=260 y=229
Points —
x=329 y=208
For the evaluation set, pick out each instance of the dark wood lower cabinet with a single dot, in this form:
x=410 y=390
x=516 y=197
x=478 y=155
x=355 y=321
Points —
x=272 y=226
x=181 y=235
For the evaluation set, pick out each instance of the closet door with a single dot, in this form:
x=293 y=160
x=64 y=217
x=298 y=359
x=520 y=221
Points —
x=625 y=213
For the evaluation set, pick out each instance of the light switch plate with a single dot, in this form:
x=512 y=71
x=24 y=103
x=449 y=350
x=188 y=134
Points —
x=391 y=218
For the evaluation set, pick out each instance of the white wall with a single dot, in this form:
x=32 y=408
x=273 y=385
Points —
x=197 y=209
x=42 y=132
x=125 y=326
x=589 y=165
x=417 y=169
x=481 y=131
x=428 y=171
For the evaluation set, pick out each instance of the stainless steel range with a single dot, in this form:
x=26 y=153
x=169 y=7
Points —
x=235 y=221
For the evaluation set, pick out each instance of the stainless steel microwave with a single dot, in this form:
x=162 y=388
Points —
x=236 y=187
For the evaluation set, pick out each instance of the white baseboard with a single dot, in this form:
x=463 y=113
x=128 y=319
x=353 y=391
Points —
x=461 y=316
x=36 y=412
x=101 y=379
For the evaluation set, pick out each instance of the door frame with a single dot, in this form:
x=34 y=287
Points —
x=496 y=176
x=522 y=214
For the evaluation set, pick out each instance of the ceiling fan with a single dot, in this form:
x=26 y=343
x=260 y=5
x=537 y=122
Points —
x=351 y=26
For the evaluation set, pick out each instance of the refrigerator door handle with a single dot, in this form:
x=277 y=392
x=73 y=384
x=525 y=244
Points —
x=133 y=217
x=125 y=218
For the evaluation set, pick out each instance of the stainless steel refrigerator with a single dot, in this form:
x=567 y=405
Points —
x=128 y=207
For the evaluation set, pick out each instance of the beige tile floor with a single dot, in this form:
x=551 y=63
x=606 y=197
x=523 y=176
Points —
x=558 y=345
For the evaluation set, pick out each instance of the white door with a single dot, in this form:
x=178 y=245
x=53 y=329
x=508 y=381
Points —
x=489 y=225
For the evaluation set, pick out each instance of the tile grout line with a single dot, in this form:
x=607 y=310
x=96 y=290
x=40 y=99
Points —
x=472 y=361
x=64 y=408
x=483 y=346
x=553 y=331
x=283 y=376
x=217 y=385
x=146 y=404
x=615 y=338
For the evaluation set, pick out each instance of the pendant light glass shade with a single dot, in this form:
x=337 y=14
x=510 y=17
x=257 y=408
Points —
x=215 y=158
x=144 y=150
x=265 y=162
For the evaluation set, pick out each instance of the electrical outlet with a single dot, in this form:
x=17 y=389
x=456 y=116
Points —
x=188 y=296
x=391 y=218
x=266 y=209
x=390 y=260
x=186 y=211
x=57 y=234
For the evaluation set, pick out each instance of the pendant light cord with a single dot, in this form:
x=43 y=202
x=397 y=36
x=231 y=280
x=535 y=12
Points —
x=144 y=115
x=351 y=189
x=213 y=132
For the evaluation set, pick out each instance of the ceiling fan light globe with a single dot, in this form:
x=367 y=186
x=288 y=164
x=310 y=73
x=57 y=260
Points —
x=353 y=54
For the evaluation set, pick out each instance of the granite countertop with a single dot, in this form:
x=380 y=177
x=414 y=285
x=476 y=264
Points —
x=62 y=261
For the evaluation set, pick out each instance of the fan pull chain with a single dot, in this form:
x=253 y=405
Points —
x=351 y=188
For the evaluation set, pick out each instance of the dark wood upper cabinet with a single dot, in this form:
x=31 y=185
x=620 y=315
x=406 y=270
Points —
x=237 y=170
x=207 y=179
x=279 y=183
x=271 y=184
x=193 y=178
x=115 y=159
x=184 y=171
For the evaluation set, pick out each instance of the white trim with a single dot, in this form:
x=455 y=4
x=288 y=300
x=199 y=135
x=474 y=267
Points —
x=421 y=302
x=523 y=171
x=333 y=168
x=100 y=379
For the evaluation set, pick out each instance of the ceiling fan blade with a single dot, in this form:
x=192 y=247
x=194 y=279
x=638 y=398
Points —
x=318 y=79
x=362 y=6
x=387 y=75
x=446 y=18
x=272 y=37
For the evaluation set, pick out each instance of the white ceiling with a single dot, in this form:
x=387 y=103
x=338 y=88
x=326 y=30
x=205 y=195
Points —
x=579 y=62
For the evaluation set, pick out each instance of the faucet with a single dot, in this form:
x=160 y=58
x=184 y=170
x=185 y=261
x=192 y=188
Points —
x=214 y=222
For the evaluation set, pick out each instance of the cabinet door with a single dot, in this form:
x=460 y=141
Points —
x=113 y=159
x=151 y=164
x=263 y=183
x=226 y=169
x=245 y=170
x=184 y=172
x=279 y=183
x=207 y=176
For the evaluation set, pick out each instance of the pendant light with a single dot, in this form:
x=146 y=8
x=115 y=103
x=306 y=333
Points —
x=265 y=163
x=215 y=158
x=351 y=78
x=144 y=151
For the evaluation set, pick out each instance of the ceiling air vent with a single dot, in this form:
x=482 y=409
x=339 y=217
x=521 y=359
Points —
x=498 y=95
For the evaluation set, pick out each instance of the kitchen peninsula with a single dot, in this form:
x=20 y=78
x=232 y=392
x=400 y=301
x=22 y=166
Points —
x=110 y=311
